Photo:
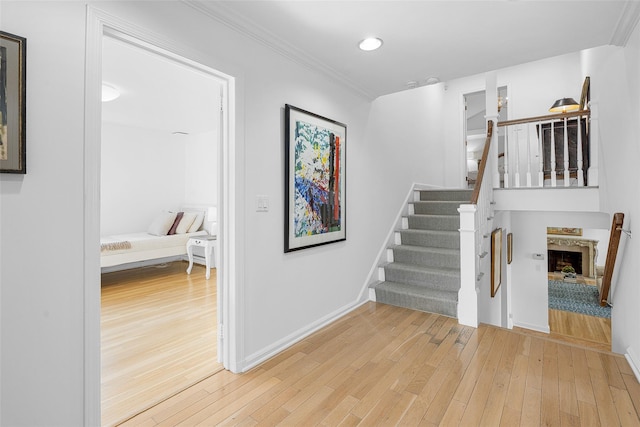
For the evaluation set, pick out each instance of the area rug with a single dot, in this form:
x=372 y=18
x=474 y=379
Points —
x=576 y=297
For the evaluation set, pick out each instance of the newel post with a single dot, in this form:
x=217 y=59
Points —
x=468 y=294
x=594 y=141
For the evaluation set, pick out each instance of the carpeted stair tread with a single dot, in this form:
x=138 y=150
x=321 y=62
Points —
x=428 y=277
x=417 y=297
x=432 y=238
x=427 y=256
x=464 y=196
x=436 y=207
x=434 y=222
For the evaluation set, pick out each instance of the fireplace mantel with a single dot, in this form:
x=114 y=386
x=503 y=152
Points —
x=588 y=248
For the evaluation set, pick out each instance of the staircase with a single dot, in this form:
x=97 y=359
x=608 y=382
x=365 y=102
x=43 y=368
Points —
x=423 y=272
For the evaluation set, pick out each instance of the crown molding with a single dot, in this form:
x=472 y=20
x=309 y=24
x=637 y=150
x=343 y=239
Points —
x=627 y=22
x=226 y=16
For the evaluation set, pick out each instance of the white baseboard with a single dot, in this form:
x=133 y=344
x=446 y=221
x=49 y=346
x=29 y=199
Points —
x=538 y=328
x=257 y=358
x=634 y=362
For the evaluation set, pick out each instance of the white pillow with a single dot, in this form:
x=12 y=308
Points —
x=197 y=222
x=162 y=224
x=185 y=222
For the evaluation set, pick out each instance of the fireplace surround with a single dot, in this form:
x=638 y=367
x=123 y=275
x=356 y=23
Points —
x=572 y=250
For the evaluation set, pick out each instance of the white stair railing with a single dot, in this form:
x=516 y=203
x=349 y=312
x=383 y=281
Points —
x=543 y=151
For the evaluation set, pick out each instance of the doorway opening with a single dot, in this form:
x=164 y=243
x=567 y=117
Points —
x=475 y=124
x=101 y=25
x=575 y=263
x=159 y=156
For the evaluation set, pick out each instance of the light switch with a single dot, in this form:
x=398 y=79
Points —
x=262 y=203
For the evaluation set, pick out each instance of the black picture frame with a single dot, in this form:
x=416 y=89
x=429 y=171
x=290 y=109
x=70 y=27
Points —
x=13 y=109
x=315 y=180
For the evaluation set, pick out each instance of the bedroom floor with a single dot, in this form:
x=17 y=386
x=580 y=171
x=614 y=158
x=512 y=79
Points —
x=159 y=336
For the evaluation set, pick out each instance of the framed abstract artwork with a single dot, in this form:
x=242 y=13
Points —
x=315 y=165
x=13 y=95
x=496 y=260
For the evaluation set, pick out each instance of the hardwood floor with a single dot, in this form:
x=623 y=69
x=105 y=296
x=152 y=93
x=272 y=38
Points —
x=578 y=328
x=387 y=365
x=158 y=336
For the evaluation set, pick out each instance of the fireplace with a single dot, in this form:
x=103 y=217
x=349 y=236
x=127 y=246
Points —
x=560 y=259
x=577 y=252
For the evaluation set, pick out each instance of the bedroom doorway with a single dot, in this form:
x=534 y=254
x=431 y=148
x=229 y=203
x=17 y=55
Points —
x=102 y=29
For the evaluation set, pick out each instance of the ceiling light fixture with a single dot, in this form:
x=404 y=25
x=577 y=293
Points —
x=109 y=93
x=432 y=81
x=371 y=43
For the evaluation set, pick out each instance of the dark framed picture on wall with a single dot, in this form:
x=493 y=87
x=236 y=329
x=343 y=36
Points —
x=13 y=95
x=315 y=165
x=496 y=260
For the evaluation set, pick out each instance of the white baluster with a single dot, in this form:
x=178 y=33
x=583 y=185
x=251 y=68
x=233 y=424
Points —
x=580 y=165
x=540 y=157
x=528 y=156
x=516 y=175
x=567 y=177
x=553 y=157
x=506 y=157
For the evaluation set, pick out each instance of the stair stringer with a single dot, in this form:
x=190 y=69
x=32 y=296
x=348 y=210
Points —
x=382 y=257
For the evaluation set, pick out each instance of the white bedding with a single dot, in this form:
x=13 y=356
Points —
x=126 y=248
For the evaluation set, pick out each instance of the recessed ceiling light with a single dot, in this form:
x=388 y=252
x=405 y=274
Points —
x=432 y=81
x=371 y=43
x=109 y=93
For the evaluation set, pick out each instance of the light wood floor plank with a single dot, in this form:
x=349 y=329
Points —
x=393 y=366
x=158 y=336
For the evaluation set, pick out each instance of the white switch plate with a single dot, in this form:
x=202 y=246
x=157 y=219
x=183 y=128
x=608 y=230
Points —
x=262 y=203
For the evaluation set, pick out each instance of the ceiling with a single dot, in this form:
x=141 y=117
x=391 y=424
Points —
x=156 y=92
x=422 y=39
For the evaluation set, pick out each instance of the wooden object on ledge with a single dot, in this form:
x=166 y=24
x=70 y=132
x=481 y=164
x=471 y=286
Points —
x=612 y=253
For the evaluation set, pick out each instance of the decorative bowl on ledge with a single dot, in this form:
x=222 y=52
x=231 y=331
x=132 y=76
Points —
x=569 y=274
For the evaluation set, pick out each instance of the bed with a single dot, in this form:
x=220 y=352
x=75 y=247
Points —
x=165 y=238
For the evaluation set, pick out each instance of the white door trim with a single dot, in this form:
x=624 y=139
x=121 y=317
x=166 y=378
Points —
x=99 y=24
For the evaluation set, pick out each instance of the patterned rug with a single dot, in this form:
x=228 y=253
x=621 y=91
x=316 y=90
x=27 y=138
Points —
x=577 y=298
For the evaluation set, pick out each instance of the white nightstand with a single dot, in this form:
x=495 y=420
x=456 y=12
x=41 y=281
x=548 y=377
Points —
x=206 y=242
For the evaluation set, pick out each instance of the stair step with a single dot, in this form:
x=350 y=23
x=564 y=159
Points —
x=417 y=298
x=430 y=238
x=463 y=196
x=436 y=207
x=434 y=222
x=427 y=256
x=445 y=279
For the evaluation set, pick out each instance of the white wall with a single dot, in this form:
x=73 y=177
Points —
x=529 y=276
x=281 y=296
x=615 y=89
x=201 y=169
x=41 y=312
x=143 y=173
